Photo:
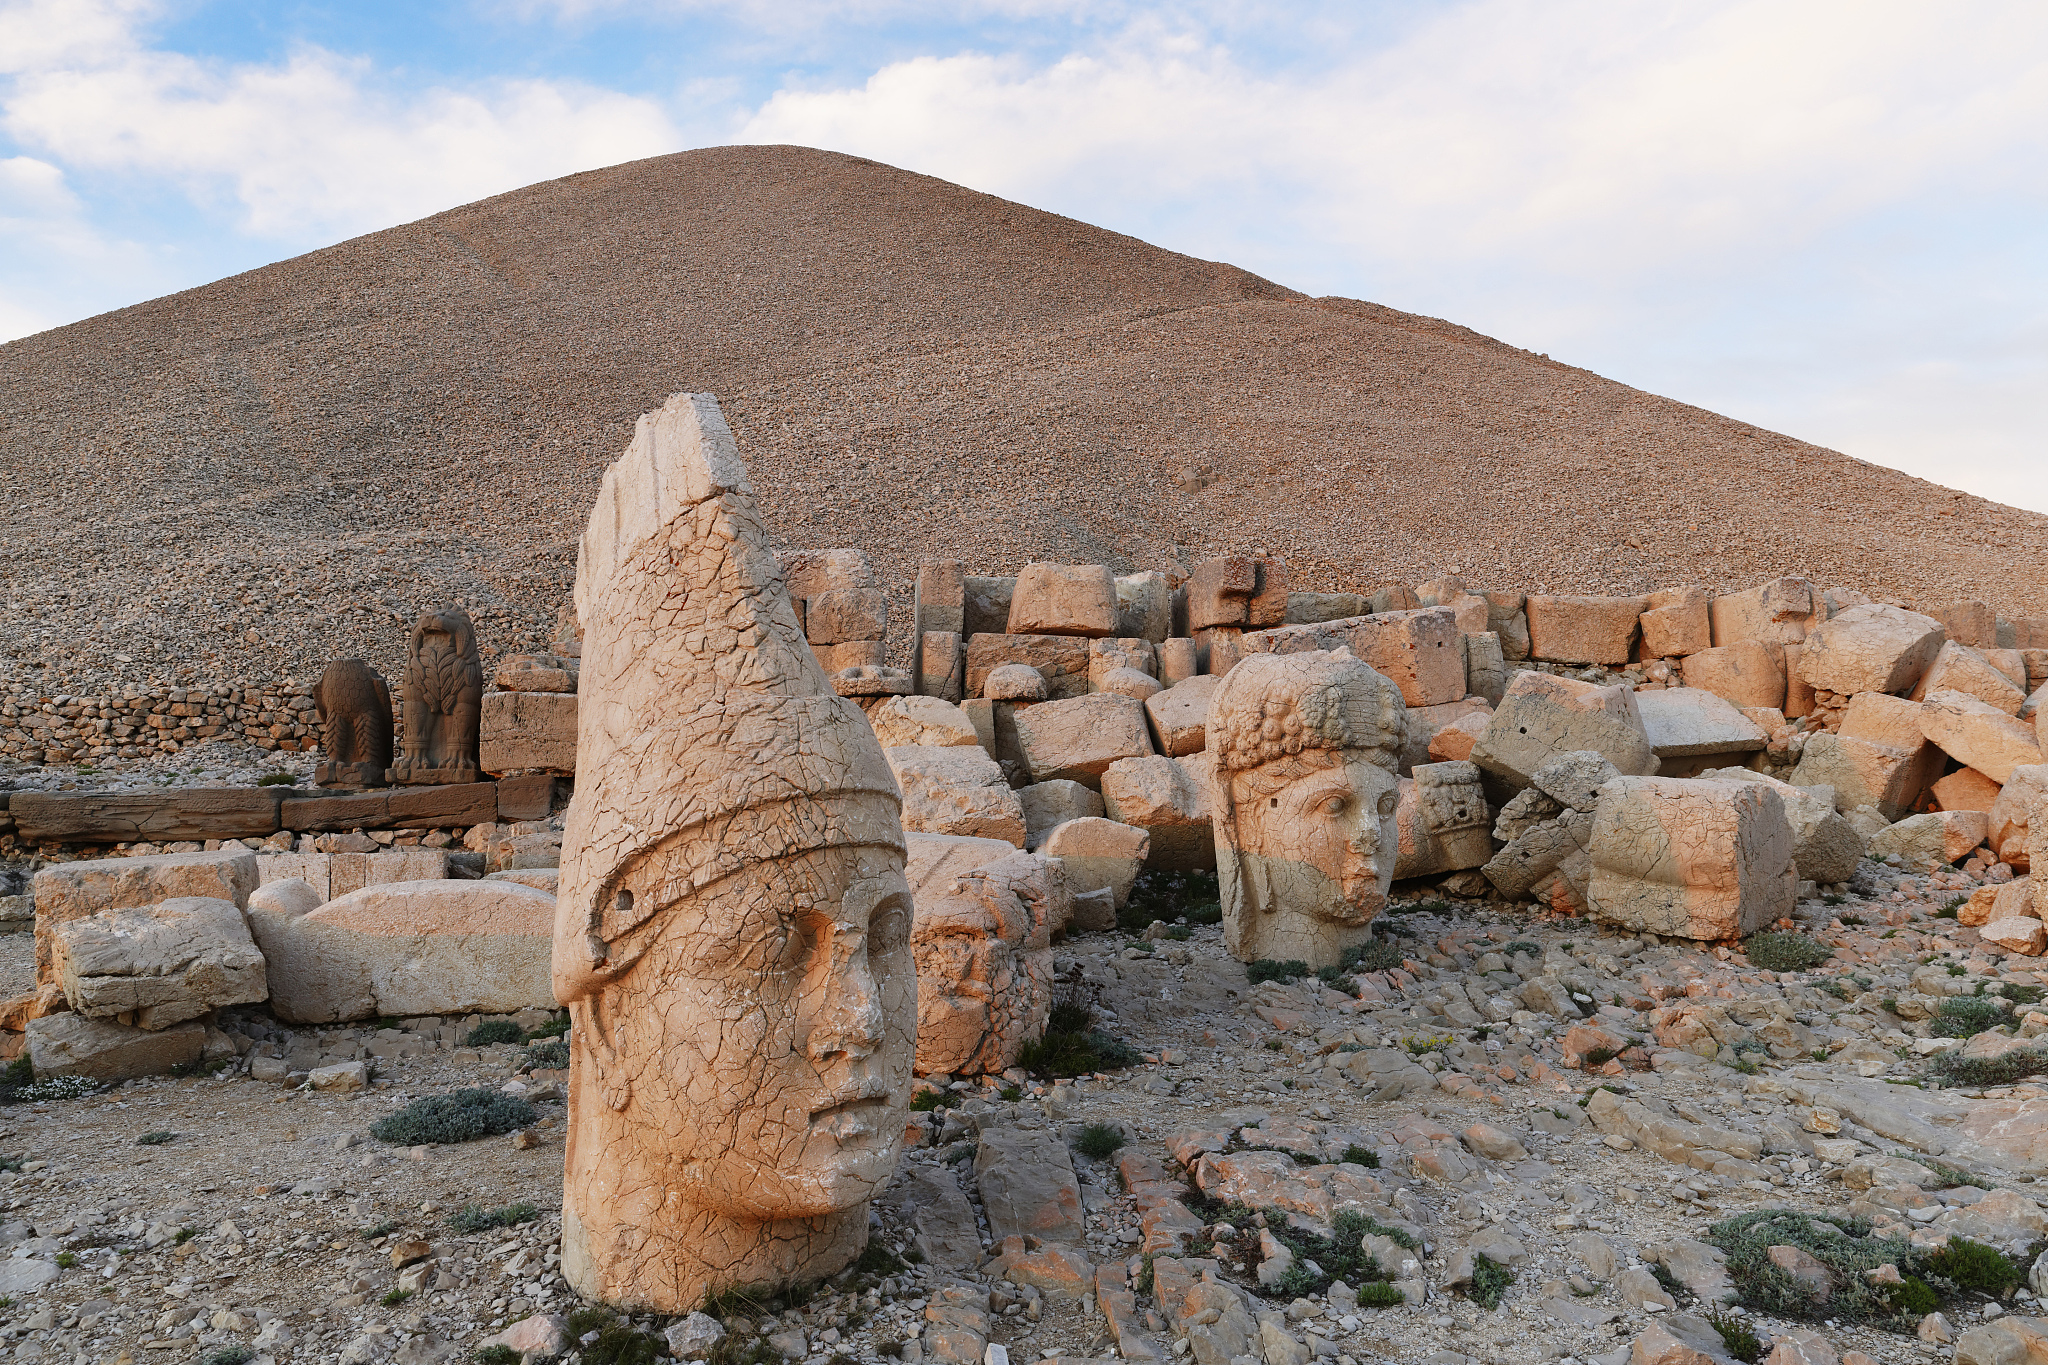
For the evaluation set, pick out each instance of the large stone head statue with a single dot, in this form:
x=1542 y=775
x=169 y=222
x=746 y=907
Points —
x=733 y=921
x=1306 y=747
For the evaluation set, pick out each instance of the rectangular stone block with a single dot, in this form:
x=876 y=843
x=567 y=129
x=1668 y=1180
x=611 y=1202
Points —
x=1312 y=608
x=314 y=869
x=985 y=605
x=1959 y=668
x=1702 y=860
x=531 y=797
x=1112 y=653
x=1746 y=673
x=1685 y=722
x=1078 y=739
x=528 y=732
x=325 y=814
x=1418 y=651
x=1541 y=717
x=69 y=891
x=844 y=614
x=941 y=666
x=850 y=654
x=1779 y=612
x=812 y=573
x=1979 y=735
x=1063 y=659
x=1583 y=630
x=1875 y=648
x=1220 y=592
x=1968 y=623
x=1866 y=773
x=1507 y=615
x=1218 y=648
x=459 y=804
x=1676 y=623
x=1486 y=668
x=1180 y=715
x=157 y=817
x=939 y=601
x=1063 y=599
x=1144 y=606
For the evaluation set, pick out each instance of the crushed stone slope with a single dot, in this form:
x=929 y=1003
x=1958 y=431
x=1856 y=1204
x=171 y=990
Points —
x=250 y=478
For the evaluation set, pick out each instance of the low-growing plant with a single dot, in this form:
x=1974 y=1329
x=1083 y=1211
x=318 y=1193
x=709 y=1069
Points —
x=392 y=1298
x=185 y=1235
x=1966 y=1016
x=1601 y=1056
x=156 y=1139
x=924 y=1101
x=1380 y=1294
x=1170 y=896
x=1857 y=921
x=495 y=1355
x=1953 y=1069
x=1833 y=898
x=1490 y=1281
x=1361 y=1156
x=1098 y=1140
x=493 y=1031
x=238 y=1354
x=1785 y=952
x=1741 y=1342
x=1972 y=1265
x=1072 y=1046
x=2020 y=995
x=463 y=1116
x=1420 y=1043
x=1272 y=969
x=477 y=1218
x=384 y=1229
x=1845 y=1246
x=1523 y=945
x=275 y=780
x=66 y=1260
x=1010 y=1094
x=1948 y=909
x=613 y=1341
x=1341 y=1255
x=550 y=1054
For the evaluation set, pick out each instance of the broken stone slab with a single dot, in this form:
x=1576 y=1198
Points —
x=70 y=891
x=1776 y=613
x=73 y=1045
x=1078 y=739
x=1574 y=780
x=1270 y=1179
x=1663 y=1133
x=1313 y=608
x=527 y=732
x=1063 y=599
x=1059 y=1272
x=1160 y=797
x=1826 y=847
x=1700 y=860
x=942 y=1221
x=1583 y=630
x=1541 y=717
x=1049 y=804
x=1099 y=854
x=1144 y=606
x=157 y=817
x=1426 y=723
x=1180 y=714
x=956 y=789
x=1966 y=789
x=2006 y=1340
x=1062 y=660
x=1863 y=773
x=1206 y=1309
x=1686 y=722
x=1979 y=735
x=1028 y=1188
x=1959 y=668
x=410 y=948
x=1874 y=648
x=1679 y=1339
x=1418 y=651
x=1925 y=842
x=159 y=965
x=1442 y=821
x=1675 y=623
x=921 y=721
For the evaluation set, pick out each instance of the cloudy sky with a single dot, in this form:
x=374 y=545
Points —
x=1823 y=217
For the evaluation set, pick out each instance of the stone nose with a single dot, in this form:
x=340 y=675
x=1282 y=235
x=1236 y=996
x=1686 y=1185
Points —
x=847 y=1020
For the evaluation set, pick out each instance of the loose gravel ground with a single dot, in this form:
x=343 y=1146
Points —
x=251 y=478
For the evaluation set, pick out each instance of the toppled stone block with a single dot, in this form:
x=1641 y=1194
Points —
x=1874 y=648
x=1078 y=739
x=2024 y=935
x=1144 y=606
x=1746 y=673
x=1583 y=630
x=73 y=1045
x=956 y=789
x=1699 y=860
x=1977 y=734
x=527 y=732
x=1777 y=613
x=406 y=948
x=1098 y=854
x=1160 y=796
x=1063 y=599
x=159 y=965
x=1418 y=651
x=70 y=891
x=1925 y=842
x=1685 y=722
x=1864 y=773
x=1966 y=789
x=1312 y=608
x=1180 y=714
x=1574 y=780
x=1425 y=723
x=841 y=616
x=1014 y=682
x=1968 y=623
x=1062 y=660
x=942 y=1221
x=1675 y=623
x=1442 y=821
x=1050 y=804
x=1958 y=668
x=1825 y=847
x=1486 y=669
x=1541 y=717
x=1028 y=1187
x=924 y=722
x=940 y=665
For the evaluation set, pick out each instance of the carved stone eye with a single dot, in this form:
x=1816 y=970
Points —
x=624 y=902
x=1387 y=803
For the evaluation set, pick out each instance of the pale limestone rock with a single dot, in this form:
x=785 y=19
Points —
x=956 y=789
x=1129 y=682
x=1776 y=613
x=982 y=944
x=1418 y=651
x=1159 y=796
x=161 y=964
x=1144 y=606
x=1701 y=860
x=1180 y=714
x=1685 y=722
x=402 y=948
x=2022 y=935
x=70 y=891
x=732 y=934
x=926 y=722
x=1107 y=655
x=1540 y=717
x=1028 y=1186
x=527 y=732
x=1486 y=669
x=1675 y=623
x=1866 y=774
x=1453 y=743
x=1746 y=673
x=1313 y=608
x=289 y=896
x=1306 y=746
x=1874 y=648
x=1925 y=842
x=1098 y=854
x=1049 y=804
x=1063 y=599
x=1014 y=682
x=1826 y=847
x=1425 y=723
x=1443 y=821
x=1179 y=661
x=1079 y=738
x=73 y=1045
x=2010 y=812
x=1959 y=668
x=1978 y=734
x=1583 y=630
x=1966 y=789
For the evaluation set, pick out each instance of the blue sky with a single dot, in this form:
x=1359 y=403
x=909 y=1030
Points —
x=1825 y=218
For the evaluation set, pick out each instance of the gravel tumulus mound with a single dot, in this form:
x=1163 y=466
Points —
x=251 y=478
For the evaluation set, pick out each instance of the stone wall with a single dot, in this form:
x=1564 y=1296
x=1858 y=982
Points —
x=135 y=723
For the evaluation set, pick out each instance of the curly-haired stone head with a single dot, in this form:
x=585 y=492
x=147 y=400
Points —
x=1306 y=749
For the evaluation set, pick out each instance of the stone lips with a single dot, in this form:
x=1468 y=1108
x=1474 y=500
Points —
x=732 y=934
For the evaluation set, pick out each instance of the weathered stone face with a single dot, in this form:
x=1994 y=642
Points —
x=733 y=926
x=1306 y=842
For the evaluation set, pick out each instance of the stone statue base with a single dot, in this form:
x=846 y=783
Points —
x=349 y=775
x=406 y=774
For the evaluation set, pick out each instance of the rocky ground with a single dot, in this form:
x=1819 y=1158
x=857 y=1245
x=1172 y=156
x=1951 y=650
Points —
x=271 y=1219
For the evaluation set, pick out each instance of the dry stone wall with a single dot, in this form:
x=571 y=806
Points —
x=42 y=728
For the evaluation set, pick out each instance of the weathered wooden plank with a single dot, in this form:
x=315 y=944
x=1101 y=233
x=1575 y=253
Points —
x=122 y=817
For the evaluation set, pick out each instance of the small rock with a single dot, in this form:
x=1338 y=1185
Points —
x=405 y=1253
x=342 y=1076
x=694 y=1336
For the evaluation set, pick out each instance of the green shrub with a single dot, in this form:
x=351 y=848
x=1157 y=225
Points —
x=2021 y=995
x=924 y=1101
x=1736 y=1336
x=1947 y=911
x=274 y=780
x=1271 y=969
x=550 y=1054
x=384 y=1229
x=1361 y=1156
x=494 y=1031
x=1380 y=1294
x=66 y=1260
x=477 y=1218
x=1168 y=896
x=877 y=1259
x=1010 y=1094
x=1844 y=1245
x=1972 y=1265
x=495 y=1355
x=1955 y=1069
x=1785 y=952
x=393 y=1297
x=1490 y=1281
x=618 y=1343
x=1098 y=1140
x=1912 y=1300
x=463 y=1116
x=557 y=1027
x=1966 y=1016
x=1072 y=1046
x=1341 y=1255
x=237 y=1354
x=156 y=1139
x=1522 y=945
